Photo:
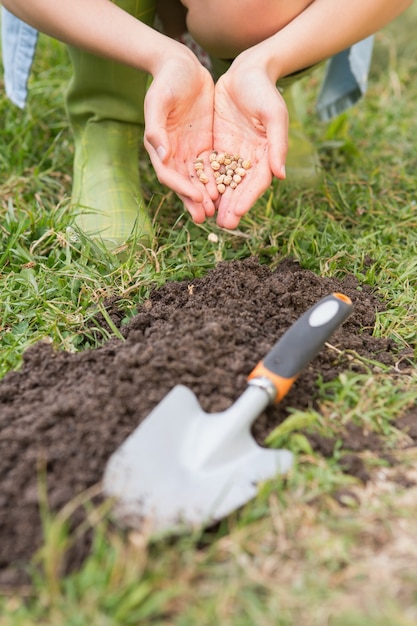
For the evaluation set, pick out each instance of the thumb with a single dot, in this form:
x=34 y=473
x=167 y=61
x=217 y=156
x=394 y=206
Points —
x=155 y=137
x=277 y=136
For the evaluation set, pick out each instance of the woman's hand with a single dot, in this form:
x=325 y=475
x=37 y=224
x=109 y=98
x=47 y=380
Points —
x=251 y=119
x=179 y=128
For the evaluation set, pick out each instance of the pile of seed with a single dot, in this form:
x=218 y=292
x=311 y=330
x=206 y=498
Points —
x=228 y=169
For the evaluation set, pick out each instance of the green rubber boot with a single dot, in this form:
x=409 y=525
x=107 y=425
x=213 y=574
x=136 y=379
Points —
x=105 y=107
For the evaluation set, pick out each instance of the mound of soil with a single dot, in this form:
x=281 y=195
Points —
x=66 y=413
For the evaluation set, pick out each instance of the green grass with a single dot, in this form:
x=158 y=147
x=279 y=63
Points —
x=293 y=556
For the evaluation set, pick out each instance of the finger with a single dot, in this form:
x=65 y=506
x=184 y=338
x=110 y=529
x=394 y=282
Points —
x=156 y=136
x=277 y=136
x=156 y=141
x=237 y=202
x=179 y=182
x=195 y=209
x=207 y=205
x=226 y=218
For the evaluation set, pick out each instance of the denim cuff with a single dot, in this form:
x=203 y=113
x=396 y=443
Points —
x=18 y=48
x=346 y=79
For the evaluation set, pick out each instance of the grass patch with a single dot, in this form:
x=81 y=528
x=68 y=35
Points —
x=295 y=555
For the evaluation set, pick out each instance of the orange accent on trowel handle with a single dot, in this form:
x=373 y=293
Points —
x=301 y=342
x=282 y=385
x=343 y=297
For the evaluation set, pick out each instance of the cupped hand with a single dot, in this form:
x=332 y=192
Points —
x=179 y=128
x=250 y=119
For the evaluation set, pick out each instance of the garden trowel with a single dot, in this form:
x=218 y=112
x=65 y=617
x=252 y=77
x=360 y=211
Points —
x=183 y=467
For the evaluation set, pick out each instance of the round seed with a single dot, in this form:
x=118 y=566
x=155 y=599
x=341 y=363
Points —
x=227 y=169
x=202 y=176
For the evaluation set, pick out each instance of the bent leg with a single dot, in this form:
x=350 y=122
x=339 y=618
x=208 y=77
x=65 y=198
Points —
x=105 y=107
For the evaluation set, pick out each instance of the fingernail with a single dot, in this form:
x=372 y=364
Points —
x=161 y=152
x=283 y=173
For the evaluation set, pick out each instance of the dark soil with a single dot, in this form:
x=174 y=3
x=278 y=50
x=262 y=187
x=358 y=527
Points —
x=66 y=413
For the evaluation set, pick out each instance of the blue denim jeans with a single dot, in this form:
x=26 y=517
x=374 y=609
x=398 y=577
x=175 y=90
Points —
x=344 y=83
x=18 y=49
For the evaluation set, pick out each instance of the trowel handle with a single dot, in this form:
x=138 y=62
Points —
x=301 y=342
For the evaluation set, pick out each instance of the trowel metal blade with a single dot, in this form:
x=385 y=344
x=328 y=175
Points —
x=168 y=470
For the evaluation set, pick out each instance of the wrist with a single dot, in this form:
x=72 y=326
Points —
x=167 y=50
x=260 y=58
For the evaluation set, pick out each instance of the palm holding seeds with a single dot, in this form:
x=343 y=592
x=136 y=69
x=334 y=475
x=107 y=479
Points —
x=250 y=118
x=179 y=123
x=243 y=119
